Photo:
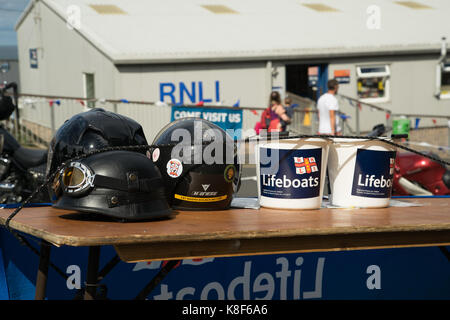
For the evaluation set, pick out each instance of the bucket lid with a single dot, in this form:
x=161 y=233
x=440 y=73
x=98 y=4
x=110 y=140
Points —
x=353 y=140
x=320 y=142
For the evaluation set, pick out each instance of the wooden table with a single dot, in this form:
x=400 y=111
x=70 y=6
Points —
x=194 y=234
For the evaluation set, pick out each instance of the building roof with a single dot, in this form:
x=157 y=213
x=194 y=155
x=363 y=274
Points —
x=154 y=31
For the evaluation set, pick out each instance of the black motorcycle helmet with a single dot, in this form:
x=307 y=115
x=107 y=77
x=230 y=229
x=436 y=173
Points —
x=199 y=164
x=88 y=131
x=121 y=184
x=6 y=106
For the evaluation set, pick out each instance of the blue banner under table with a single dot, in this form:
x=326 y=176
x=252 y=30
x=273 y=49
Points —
x=4 y=295
x=16 y=205
x=226 y=118
x=400 y=273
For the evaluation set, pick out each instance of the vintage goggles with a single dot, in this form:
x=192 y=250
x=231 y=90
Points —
x=75 y=179
x=78 y=179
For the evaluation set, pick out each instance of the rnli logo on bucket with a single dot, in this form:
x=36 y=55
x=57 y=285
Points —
x=305 y=165
x=297 y=177
x=374 y=171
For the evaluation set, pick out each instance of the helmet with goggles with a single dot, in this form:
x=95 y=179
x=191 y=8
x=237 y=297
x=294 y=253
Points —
x=199 y=163
x=89 y=131
x=120 y=184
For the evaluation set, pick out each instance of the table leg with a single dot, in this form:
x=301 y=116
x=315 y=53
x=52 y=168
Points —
x=41 y=279
x=157 y=279
x=445 y=252
x=101 y=274
x=91 y=277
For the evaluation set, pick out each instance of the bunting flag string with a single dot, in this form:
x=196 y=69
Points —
x=161 y=104
x=51 y=102
x=32 y=101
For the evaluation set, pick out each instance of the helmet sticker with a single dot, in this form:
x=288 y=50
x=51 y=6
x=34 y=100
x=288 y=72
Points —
x=174 y=168
x=155 y=154
x=229 y=173
x=199 y=199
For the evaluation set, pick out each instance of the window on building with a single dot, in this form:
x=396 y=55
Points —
x=445 y=82
x=373 y=83
x=4 y=67
x=89 y=88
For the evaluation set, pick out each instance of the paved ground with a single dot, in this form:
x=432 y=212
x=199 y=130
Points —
x=248 y=182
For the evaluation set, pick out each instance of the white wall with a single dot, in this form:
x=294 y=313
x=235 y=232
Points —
x=63 y=56
x=412 y=87
x=224 y=84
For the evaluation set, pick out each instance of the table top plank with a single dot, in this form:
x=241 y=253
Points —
x=62 y=227
x=280 y=245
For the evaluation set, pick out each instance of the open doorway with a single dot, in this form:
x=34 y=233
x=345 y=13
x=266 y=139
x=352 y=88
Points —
x=307 y=80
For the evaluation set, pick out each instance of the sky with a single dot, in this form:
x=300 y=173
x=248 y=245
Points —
x=10 y=11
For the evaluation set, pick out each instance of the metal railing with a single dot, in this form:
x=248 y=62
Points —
x=382 y=115
x=42 y=115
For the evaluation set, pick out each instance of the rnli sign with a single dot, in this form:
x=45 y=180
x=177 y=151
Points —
x=189 y=92
x=229 y=119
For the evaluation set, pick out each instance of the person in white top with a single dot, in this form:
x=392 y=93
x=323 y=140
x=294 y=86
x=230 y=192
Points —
x=328 y=108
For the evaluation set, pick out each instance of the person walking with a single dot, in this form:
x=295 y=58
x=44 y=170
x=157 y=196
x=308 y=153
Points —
x=282 y=119
x=328 y=109
x=274 y=118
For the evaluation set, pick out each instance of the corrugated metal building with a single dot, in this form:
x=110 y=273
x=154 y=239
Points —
x=9 y=64
x=185 y=51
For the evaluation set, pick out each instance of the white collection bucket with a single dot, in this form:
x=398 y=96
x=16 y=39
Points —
x=291 y=173
x=361 y=172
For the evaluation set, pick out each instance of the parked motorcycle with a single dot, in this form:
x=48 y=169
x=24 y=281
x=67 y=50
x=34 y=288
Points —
x=415 y=174
x=22 y=169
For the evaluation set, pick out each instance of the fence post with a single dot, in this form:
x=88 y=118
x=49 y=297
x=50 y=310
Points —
x=341 y=123
x=52 y=119
x=313 y=122
x=448 y=132
x=358 y=131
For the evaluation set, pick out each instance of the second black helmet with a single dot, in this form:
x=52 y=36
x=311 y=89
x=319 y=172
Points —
x=199 y=164
x=89 y=131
